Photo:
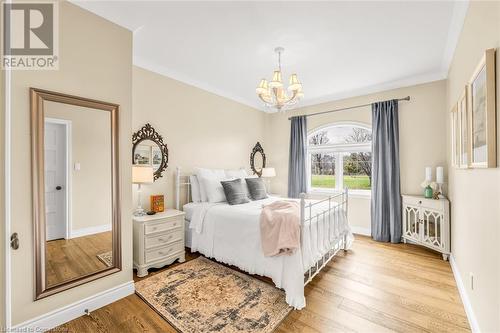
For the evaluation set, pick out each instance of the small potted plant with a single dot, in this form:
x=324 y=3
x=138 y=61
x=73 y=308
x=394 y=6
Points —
x=429 y=188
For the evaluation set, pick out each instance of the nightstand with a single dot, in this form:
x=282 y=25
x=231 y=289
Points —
x=427 y=222
x=158 y=240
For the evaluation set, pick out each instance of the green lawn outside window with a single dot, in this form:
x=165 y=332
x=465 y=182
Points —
x=361 y=182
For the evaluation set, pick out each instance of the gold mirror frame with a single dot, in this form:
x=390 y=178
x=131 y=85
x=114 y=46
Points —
x=37 y=98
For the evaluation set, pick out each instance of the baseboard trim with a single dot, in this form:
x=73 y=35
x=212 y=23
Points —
x=90 y=230
x=474 y=325
x=71 y=311
x=361 y=231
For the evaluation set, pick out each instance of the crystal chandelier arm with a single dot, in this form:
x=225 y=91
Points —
x=264 y=99
x=295 y=92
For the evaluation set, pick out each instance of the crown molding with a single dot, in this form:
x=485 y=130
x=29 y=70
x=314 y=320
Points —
x=406 y=82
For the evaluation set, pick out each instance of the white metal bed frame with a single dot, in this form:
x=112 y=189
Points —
x=342 y=200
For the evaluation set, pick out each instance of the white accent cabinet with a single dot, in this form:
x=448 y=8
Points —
x=427 y=222
x=158 y=240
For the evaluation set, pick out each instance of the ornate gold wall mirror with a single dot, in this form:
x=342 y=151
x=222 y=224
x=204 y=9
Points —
x=76 y=207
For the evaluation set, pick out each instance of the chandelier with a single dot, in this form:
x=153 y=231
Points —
x=274 y=94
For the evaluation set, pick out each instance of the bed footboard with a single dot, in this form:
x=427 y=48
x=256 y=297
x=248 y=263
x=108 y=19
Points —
x=327 y=219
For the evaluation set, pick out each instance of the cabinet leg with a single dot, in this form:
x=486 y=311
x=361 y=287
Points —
x=142 y=272
x=182 y=258
x=445 y=257
x=404 y=240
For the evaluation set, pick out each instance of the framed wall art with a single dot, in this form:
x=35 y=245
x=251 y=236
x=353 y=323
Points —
x=455 y=143
x=463 y=131
x=482 y=113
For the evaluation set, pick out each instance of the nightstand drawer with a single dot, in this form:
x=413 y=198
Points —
x=162 y=225
x=163 y=252
x=168 y=237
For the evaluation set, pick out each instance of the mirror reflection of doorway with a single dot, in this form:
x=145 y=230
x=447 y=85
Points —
x=56 y=178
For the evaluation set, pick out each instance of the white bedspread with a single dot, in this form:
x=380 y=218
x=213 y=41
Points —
x=231 y=234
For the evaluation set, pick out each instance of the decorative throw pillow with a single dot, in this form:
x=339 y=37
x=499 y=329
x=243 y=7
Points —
x=257 y=188
x=241 y=174
x=235 y=192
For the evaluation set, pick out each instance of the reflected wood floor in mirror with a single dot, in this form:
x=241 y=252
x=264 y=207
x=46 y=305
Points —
x=67 y=259
x=375 y=287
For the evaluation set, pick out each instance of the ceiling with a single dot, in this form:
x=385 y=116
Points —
x=338 y=49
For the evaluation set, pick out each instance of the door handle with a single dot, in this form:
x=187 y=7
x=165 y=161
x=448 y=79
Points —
x=14 y=241
x=58 y=187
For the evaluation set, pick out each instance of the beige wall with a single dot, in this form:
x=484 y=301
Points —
x=2 y=197
x=95 y=62
x=475 y=193
x=421 y=132
x=91 y=148
x=200 y=128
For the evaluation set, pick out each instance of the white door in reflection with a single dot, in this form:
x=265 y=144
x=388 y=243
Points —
x=56 y=132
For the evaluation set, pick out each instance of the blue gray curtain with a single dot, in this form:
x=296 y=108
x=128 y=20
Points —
x=297 y=181
x=386 y=193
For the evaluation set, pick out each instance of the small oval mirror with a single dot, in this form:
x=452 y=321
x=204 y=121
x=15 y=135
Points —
x=257 y=159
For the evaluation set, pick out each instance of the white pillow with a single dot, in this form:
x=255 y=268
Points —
x=240 y=173
x=203 y=173
x=195 y=189
x=214 y=189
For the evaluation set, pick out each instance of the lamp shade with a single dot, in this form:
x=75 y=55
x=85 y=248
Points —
x=294 y=83
x=268 y=172
x=263 y=87
x=276 y=82
x=142 y=174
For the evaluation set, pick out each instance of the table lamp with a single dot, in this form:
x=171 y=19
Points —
x=141 y=175
x=268 y=173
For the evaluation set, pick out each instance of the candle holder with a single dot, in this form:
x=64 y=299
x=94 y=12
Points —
x=439 y=192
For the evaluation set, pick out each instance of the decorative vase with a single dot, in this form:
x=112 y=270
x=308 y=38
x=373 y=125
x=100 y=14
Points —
x=428 y=192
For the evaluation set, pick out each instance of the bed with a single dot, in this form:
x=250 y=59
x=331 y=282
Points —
x=231 y=235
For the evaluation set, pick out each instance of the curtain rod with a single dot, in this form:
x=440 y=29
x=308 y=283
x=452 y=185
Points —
x=407 y=98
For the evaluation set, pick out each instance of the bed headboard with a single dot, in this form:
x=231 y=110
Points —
x=182 y=180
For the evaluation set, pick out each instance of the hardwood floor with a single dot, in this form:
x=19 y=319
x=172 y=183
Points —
x=375 y=287
x=67 y=259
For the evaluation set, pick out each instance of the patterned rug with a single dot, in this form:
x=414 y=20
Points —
x=203 y=296
x=106 y=258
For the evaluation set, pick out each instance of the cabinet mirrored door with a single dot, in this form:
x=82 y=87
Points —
x=432 y=223
x=412 y=220
x=75 y=197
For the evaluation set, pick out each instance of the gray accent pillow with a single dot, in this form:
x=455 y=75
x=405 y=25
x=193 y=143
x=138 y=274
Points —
x=257 y=188
x=235 y=192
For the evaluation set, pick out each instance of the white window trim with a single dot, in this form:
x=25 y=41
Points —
x=336 y=149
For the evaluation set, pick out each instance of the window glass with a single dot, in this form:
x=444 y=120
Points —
x=357 y=170
x=340 y=134
x=340 y=156
x=323 y=170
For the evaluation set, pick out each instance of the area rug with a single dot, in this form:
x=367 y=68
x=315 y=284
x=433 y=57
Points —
x=203 y=296
x=106 y=258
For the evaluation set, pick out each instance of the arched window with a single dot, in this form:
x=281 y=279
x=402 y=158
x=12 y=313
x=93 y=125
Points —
x=339 y=156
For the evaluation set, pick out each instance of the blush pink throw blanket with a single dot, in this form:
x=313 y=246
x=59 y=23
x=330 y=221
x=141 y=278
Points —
x=280 y=228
